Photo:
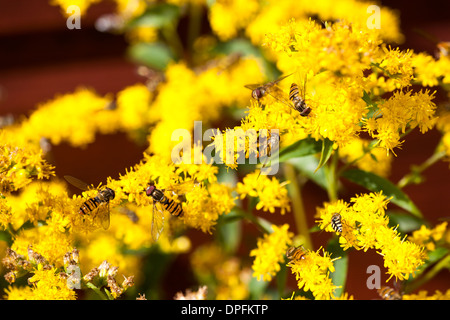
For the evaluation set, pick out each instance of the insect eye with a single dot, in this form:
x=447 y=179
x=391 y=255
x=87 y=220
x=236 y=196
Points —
x=257 y=94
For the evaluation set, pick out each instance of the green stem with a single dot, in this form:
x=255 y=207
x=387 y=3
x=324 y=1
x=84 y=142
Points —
x=260 y=223
x=301 y=222
x=417 y=170
x=332 y=177
x=90 y=285
x=195 y=23
x=171 y=35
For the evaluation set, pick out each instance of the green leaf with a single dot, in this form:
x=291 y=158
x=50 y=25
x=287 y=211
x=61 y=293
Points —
x=406 y=223
x=307 y=166
x=229 y=231
x=376 y=183
x=157 y=16
x=300 y=148
x=156 y=55
x=367 y=99
x=327 y=149
x=281 y=279
x=339 y=276
x=257 y=288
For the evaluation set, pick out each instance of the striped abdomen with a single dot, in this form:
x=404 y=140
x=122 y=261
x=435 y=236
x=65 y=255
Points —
x=103 y=196
x=295 y=253
x=299 y=103
x=173 y=207
x=336 y=223
x=89 y=205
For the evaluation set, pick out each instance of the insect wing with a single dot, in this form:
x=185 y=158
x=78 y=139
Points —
x=77 y=183
x=157 y=222
x=277 y=93
x=103 y=215
x=252 y=86
x=282 y=78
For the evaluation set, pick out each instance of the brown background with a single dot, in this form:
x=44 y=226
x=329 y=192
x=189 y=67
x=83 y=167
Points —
x=40 y=58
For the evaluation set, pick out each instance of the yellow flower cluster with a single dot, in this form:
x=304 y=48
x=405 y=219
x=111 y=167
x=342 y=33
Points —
x=270 y=252
x=313 y=273
x=20 y=164
x=270 y=192
x=365 y=226
x=429 y=237
x=353 y=81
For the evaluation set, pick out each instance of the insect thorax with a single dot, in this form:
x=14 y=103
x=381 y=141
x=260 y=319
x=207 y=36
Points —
x=106 y=195
x=157 y=195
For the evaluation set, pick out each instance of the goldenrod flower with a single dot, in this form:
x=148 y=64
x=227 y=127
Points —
x=48 y=285
x=270 y=252
x=403 y=110
x=429 y=237
x=224 y=20
x=312 y=273
x=376 y=160
x=20 y=164
x=365 y=226
x=83 y=5
x=270 y=192
x=423 y=295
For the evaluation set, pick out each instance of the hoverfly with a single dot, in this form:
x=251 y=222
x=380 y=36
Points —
x=296 y=253
x=259 y=91
x=388 y=293
x=299 y=102
x=170 y=205
x=99 y=203
x=336 y=222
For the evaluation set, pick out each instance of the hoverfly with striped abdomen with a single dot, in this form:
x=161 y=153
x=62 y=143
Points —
x=295 y=253
x=299 y=101
x=173 y=207
x=336 y=222
x=98 y=205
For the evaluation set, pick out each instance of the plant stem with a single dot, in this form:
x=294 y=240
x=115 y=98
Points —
x=301 y=222
x=195 y=23
x=332 y=177
x=90 y=285
x=410 y=177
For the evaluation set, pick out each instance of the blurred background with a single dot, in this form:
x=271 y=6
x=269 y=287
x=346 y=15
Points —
x=41 y=58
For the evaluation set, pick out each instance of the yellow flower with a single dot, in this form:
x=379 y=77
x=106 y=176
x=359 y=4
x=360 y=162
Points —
x=270 y=252
x=365 y=226
x=312 y=273
x=83 y=5
x=48 y=285
x=271 y=193
x=429 y=237
x=376 y=160
x=423 y=295
x=402 y=110
x=227 y=17
x=133 y=107
x=20 y=163
x=74 y=118
x=398 y=66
